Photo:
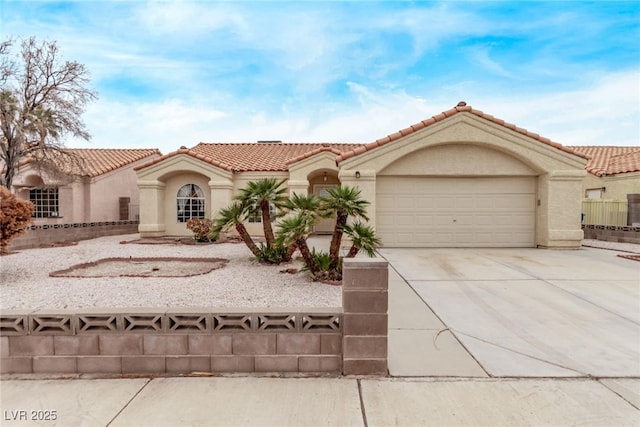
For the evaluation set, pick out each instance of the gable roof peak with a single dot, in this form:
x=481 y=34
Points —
x=461 y=107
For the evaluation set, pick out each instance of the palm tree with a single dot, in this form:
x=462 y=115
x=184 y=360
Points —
x=295 y=229
x=342 y=201
x=232 y=216
x=260 y=195
x=307 y=206
x=362 y=237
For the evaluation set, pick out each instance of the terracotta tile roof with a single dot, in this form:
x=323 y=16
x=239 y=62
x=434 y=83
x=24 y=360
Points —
x=462 y=107
x=609 y=160
x=266 y=157
x=188 y=152
x=93 y=162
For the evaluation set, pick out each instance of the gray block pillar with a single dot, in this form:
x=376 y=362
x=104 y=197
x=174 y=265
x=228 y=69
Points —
x=365 y=320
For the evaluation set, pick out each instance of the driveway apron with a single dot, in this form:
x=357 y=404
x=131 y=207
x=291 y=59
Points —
x=518 y=312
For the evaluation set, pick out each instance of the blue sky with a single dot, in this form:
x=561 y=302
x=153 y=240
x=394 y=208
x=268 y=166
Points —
x=177 y=73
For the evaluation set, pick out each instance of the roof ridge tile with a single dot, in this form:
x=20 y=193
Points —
x=462 y=107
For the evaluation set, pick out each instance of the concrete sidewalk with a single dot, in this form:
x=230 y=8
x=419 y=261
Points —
x=251 y=401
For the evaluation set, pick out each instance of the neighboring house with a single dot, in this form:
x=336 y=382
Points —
x=611 y=190
x=614 y=172
x=459 y=179
x=102 y=187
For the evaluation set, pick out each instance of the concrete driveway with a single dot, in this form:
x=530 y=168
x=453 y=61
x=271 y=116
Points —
x=513 y=312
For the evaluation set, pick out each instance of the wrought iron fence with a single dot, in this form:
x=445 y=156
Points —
x=604 y=212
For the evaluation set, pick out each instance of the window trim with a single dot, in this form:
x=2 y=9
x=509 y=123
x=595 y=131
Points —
x=45 y=207
x=191 y=195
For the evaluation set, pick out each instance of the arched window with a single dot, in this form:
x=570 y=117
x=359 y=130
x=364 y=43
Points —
x=190 y=201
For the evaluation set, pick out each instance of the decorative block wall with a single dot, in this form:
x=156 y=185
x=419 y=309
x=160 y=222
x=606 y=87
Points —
x=351 y=340
x=45 y=234
x=182 y=341
x=612 y=233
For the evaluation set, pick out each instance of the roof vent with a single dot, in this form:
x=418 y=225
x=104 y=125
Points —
x=461 y=104
x=269 y=142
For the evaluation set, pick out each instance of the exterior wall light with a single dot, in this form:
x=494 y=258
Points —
x=357 y=174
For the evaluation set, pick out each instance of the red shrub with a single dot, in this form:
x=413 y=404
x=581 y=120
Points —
x=201 y=228
x=15 y=216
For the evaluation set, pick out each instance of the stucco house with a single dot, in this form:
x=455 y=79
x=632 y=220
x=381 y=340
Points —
x=611 y=189
x=102 y=187
x=614 y=172
x=462 y=178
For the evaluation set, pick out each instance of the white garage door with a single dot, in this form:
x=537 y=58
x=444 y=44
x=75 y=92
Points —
x=455 y=212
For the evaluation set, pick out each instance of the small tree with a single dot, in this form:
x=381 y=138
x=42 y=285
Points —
x=41 y=100
x=295 y=229
x=307 y=210
x=362 y=237
x=15 y=216
x=309 y=207
x=343 y=202
x=232 y=217
x=259 y=196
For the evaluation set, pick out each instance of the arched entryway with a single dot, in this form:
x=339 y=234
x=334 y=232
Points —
x=319 y=182
x=186 y=196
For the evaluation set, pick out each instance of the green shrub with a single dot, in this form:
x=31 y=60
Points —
x=15 y=216
x=272 y=254
x=323 y=262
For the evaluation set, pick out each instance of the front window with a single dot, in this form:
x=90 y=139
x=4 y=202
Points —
x=256 y=214
x=45 y=201
x=594 y=193
x=190 y=203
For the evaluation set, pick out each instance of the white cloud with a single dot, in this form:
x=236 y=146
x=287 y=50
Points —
x=604 y=113
x=166 y=125
x=186 y=19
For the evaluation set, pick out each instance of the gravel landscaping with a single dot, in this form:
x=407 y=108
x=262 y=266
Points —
x=25 y=282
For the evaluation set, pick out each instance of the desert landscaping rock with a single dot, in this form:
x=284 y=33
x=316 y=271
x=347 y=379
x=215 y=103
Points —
x=25 y=282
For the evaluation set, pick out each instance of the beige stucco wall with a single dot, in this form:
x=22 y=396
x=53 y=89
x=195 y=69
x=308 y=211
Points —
x=159 y=183
x=105 y=191
x=467 y=145
x=84 y=199
x=617 y=186
x=458 y=160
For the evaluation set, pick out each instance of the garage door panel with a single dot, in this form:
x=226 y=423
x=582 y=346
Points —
x=424 y=202
x=458 y=212
x=425 y=219
x=465 y=203
x=404 y=202
x=386 y=200
x=406 y=220
x=385 y=220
